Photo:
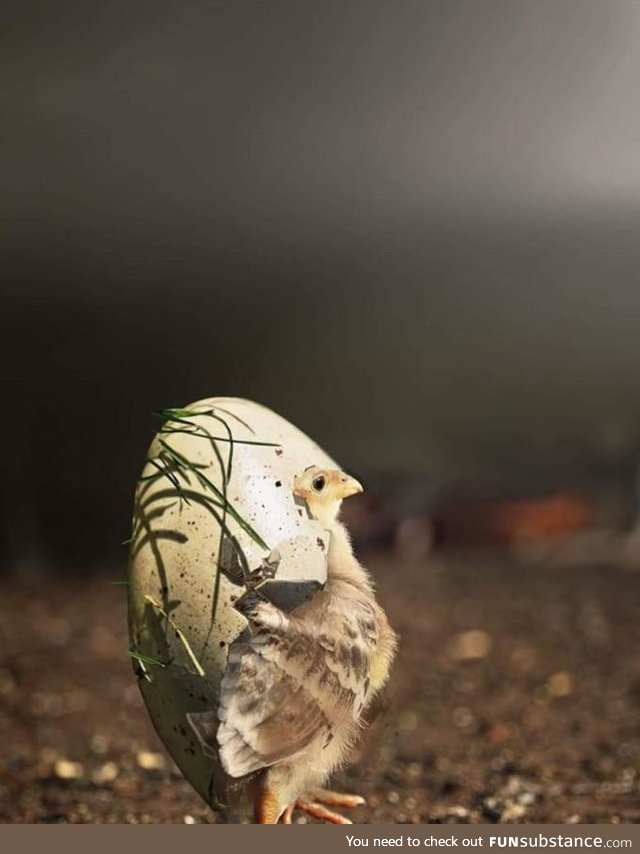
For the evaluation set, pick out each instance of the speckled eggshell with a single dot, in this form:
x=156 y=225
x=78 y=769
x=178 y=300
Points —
x=181 y=613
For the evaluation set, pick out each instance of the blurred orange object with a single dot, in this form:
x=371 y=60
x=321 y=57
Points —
x=540 y=518
x=503 y=521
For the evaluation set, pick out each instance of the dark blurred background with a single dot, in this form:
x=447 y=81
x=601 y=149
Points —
x=411 y=228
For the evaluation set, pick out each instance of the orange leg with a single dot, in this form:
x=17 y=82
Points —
x=267 y=807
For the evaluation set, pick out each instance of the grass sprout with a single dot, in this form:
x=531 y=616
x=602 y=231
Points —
x=185 y=643
x=146 y=659
x=182 y=461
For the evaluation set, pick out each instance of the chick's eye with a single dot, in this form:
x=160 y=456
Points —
x=318 y=483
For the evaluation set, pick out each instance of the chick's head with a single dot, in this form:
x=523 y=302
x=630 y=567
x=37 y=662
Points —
x=323 y=491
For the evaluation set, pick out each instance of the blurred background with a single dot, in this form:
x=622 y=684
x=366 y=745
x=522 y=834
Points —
x=410 y=228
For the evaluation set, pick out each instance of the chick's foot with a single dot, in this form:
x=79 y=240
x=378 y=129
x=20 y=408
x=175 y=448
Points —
x=317 y=806
x=337 y=799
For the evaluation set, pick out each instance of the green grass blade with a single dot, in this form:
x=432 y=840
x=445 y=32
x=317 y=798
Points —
x=185 y=643
x=145 y=659
x=207 y=484
x=233 y=441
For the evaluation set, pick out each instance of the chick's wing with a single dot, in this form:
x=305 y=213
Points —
x=290 y=685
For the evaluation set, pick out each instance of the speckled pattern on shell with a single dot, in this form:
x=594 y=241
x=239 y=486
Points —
x=175 y=550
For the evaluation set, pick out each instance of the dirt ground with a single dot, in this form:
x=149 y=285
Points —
x=516 y=698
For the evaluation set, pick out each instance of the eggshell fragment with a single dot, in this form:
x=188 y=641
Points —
x=214 y=504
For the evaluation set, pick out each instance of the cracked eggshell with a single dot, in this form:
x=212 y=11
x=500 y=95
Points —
x=181 y=614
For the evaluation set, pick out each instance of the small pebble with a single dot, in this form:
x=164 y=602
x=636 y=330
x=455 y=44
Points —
x=150 y=761
x=462 y=717
x=458 y=811
x=471 y=645
x=560 y=684
x=66 y=770
x=107 y=773
x=513 y=812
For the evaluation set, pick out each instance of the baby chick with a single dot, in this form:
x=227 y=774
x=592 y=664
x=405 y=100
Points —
x=293 y=694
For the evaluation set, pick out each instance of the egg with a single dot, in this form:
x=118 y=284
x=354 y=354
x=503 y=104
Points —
x=214 y=511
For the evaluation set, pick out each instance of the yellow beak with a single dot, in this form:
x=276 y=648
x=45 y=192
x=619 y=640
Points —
x=348 y=486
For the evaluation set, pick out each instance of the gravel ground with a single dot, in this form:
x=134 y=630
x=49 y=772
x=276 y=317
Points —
x=516 y=698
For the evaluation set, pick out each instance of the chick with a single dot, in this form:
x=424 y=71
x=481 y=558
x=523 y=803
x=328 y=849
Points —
x=293 y=694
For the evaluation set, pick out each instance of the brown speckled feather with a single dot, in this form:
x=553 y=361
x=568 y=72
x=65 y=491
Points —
x=299 y=678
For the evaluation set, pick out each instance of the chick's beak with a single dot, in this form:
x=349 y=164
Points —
x=348 y=486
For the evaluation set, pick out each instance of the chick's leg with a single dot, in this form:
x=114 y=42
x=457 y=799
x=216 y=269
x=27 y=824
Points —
x=267 y=807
